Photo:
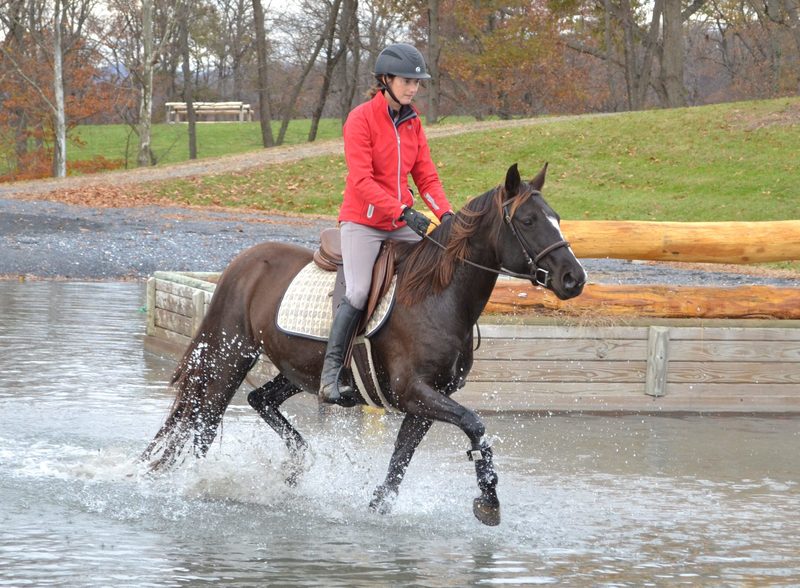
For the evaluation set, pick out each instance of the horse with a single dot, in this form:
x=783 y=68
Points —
x=422 y=352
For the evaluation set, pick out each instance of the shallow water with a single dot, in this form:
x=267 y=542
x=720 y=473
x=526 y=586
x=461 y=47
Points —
x=587 y=500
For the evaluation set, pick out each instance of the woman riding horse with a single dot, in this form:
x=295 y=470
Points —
x=419 y=353
x=383 y=144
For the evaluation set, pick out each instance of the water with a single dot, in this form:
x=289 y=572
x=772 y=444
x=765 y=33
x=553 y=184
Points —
x=587 y=500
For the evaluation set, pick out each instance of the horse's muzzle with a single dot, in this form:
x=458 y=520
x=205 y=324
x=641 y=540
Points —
x=569 y=284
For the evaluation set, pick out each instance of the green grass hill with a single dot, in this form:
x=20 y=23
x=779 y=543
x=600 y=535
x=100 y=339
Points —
x=726 y=162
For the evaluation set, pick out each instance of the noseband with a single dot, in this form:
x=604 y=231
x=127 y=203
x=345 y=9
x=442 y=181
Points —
x=538 y=274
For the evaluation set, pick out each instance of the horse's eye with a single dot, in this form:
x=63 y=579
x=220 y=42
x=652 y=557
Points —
x=528 y=221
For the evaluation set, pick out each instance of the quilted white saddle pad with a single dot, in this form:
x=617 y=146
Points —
x=306 y=308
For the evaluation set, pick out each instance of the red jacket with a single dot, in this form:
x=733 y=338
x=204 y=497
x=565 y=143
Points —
x=379 y=159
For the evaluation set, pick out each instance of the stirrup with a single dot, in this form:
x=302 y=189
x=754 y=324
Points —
x=345 y=395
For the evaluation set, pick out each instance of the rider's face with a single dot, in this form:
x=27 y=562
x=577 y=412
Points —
x=404 y=89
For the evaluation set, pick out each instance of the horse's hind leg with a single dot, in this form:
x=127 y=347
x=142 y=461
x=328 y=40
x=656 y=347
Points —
x=266 y=400
x=409 y=437
x=208 y=411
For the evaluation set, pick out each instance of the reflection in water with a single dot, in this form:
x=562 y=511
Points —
x=586 y=500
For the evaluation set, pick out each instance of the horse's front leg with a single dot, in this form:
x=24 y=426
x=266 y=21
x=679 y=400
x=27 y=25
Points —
x=266 y=400
x=462 y=367
x=409 y=437
x=425 y=402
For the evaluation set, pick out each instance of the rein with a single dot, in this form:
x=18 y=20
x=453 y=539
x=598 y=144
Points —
x=539 y=275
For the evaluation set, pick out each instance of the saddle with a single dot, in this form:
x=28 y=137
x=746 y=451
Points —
x=329 y=258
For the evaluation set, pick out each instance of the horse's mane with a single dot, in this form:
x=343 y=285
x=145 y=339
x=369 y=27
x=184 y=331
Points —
x=425 y=269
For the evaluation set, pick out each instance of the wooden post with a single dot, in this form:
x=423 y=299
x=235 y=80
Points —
x=198 y=302
x=657 y=360
x=150 y=301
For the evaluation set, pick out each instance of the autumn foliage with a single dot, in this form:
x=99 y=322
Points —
x=510 y=58
x=27 y=105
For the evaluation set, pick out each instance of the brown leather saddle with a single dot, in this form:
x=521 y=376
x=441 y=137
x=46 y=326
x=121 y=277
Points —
x=329 y=258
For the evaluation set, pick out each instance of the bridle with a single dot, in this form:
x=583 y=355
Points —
x=538 y=274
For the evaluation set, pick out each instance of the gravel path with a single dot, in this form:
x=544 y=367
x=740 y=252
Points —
x=47 y=239
x=50 y=239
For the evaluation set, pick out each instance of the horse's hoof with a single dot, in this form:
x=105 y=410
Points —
x=487 y=510
x=382 y=500
x=297 y=465
x=293 y=475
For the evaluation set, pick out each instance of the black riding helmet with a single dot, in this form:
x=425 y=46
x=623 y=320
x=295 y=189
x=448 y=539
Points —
x=401 y=59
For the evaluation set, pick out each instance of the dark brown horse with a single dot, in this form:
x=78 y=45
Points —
x=423 y=352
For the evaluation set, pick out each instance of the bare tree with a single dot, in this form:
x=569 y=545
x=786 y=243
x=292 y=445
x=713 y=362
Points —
x=305 y=28
x=60 y=126
x=233 y=44
x=183 y=38
x=42 y=36
x=265 y=112
x=138 y=22
x=333 y=54
x=434 y=55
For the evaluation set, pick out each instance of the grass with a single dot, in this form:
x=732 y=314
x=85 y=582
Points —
x=700 y=164
x=725 y=162
x=170 y=141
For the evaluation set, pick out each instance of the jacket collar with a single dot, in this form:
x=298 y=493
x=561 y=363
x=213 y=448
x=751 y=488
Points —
x=381 y=108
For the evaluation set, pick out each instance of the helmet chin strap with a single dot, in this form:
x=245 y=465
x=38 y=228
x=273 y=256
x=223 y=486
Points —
x=386 y=87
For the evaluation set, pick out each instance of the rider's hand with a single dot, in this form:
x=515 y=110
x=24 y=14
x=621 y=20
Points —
x=418 y=222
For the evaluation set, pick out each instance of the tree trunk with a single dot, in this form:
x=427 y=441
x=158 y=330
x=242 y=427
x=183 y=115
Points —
x=672 y=55
x=60 y=151
x=793 y=13
x=609 y=54
x=434 y=53
x=145 y=156
x=264 y=110
x=351 y=79
x=638 y=73
x=188 y=97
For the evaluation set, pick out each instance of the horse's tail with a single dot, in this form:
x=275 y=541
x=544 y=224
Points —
x=205 y=380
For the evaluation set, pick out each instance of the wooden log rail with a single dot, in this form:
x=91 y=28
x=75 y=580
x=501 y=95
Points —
x=177 y=111
x=763 y=302
x=722 y=242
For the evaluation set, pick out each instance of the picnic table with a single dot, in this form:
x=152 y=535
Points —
x=210 y=112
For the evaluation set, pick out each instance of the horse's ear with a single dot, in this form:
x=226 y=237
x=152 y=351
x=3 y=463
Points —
x=538 y=182
x=512 y=181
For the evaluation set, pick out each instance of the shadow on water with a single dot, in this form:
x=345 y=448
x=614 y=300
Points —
x=587 y=500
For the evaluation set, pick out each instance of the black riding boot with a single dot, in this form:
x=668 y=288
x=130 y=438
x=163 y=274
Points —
x=343 y=328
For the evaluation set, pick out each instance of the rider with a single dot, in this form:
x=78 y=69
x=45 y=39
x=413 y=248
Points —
x=383 y=144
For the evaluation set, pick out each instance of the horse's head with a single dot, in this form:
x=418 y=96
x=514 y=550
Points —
x=531 y=242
